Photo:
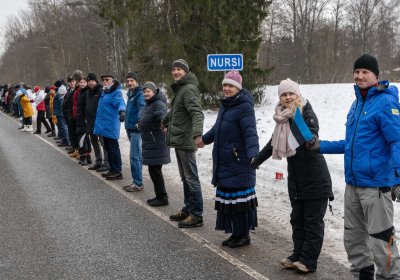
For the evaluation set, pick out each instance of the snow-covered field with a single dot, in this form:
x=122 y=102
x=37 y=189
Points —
x=331 y=103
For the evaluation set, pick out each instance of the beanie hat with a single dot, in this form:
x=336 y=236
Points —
x=36 y=89
x=62 y=90
x=233 y=78
x=368 y=62
x=58 y=83
x=288 y=86
x=77 y=75
x=107 y=75
x=181 y=63
x=150 y=85
x=132 y=75
x=92 y=77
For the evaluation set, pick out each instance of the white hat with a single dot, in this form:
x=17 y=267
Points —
x=288 y=86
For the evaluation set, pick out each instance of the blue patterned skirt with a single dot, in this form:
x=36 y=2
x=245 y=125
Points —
x=236 y=210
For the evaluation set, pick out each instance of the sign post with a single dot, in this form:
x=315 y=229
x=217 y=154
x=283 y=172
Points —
x=224 y=62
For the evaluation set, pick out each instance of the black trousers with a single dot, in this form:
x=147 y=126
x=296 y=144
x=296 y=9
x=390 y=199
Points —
x=307 y=220
x=40 y=118
x=73 y=137
x=156 y=175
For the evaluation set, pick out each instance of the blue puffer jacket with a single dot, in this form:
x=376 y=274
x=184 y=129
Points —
x=372 y=145
x=111 y=102
x=57 y=105
x=235 y=142
x=134 y=108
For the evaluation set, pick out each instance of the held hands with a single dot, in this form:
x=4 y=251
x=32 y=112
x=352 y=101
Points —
x=396 y=193
x=121 y=116
x=313 y=145
x=253 y=163
x=198 y=140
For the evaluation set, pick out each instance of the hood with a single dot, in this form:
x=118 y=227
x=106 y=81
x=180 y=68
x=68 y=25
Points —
x=189 y=78
x=243 y=96
x=116 y=85
x=382 y=87
x=132 y=92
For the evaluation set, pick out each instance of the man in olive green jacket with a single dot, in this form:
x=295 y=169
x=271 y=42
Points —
x=184 y=127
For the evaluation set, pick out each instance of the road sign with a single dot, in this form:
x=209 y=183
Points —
x=224 y=62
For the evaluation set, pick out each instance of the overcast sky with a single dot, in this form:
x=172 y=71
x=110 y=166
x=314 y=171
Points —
x=7 y=8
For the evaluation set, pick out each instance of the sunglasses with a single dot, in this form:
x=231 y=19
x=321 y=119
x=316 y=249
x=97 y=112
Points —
x=106 y=79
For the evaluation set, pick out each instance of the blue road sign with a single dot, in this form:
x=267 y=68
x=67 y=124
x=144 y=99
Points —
x=224 y=62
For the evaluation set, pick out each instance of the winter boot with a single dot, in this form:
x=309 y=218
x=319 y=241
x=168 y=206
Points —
x=88 y=159
x=75 y=153
x=30 y=128
x=82 y=160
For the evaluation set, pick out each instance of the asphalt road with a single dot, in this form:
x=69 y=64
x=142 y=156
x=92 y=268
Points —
x=60 y=221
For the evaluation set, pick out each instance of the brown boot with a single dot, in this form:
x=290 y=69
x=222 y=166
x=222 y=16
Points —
x=74 y=154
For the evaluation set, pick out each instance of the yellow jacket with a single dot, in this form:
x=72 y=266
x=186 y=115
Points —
x=26 y=106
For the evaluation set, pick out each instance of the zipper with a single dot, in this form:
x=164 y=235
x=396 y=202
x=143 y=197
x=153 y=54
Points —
x=154 y=139
x=352 y=142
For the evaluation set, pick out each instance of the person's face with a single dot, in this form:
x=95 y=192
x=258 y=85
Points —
x=92 y=83
x=72 y=83
x=148 y=93
x=229 y=90
x=107 y=81
x=178 y=73
x=364 y=78
x=82 y=83
x=287 y=99
x=52 y=92
x=131 y=83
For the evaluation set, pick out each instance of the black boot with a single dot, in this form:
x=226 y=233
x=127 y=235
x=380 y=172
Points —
x=88 y=159
x=367 y=273
x=82 y=160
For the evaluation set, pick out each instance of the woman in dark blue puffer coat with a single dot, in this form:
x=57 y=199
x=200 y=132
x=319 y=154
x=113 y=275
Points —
x=235 y=144
x=155 y=151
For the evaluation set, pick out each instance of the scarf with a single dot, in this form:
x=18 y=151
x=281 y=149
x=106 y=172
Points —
x=280 y=136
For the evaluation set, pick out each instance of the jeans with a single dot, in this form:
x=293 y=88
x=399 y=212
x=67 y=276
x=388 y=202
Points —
x=62 y=129
x=135 y=156
x=114 y=154
x=191 y=184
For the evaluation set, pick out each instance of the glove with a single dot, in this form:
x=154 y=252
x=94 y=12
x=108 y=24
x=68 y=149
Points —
x=121 y=116
x=313 y=145
x=253 y=163
x=396 y=193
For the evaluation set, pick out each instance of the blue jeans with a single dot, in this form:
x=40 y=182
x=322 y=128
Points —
x=191 y=184
x=114 y=154
x=135 y=156
x=62 y=129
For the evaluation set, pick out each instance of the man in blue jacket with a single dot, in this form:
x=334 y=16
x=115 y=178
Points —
x=134 y=109
x=110 y=112
x=372 y=167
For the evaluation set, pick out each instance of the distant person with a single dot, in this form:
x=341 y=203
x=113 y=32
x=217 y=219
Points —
x=372 y=166
x=110 y=113
x=41 y=111
x=134 y=108
x=58 y=112
x=309 y=181
x=184 y=127
x=27 y=110
x=235 y=139
x=77 y=75
x=156 y=153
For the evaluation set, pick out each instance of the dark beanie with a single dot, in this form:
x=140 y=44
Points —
x=150 y=85
x=368 y=62
x=58 y=83
x=181 y=63
x=92 y=77
x=132 y=75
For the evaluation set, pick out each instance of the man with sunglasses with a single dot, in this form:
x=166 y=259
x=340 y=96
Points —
x=110 y=112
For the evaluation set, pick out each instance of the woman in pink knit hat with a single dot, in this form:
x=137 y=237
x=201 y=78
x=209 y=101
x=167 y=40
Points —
x=235 y=139
x=309 y=181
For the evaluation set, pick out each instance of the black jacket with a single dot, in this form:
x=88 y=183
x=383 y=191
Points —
x=81 y=119
x=154 y=148
x=67 y=104
x=92 y=100
x=308 y=174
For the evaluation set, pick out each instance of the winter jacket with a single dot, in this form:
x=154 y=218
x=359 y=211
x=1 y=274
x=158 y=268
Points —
x=134 y=107
x=154 y=148
x=372 y=145
x=40 y=106
x=92 y=101
x=81 y=111
x=67 y=104
x=111 y=102
x=26 y=106
x=185 y=119
x=57 y=105
x=47 y=105
x=235 y=142
x=308 y=174
x=75 y=98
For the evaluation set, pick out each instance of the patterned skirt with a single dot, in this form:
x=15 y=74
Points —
x=236 y=210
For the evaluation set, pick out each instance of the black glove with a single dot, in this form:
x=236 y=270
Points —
x=313 y=145
x=396 y=193
x=121 y=116
x=253 y=163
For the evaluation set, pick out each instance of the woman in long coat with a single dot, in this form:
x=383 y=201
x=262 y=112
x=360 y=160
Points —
x=235 y=139
x=309 y=181
x=155 y=152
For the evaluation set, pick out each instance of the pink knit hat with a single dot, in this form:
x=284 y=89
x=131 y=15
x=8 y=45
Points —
x=288 y=86
x=233 y=78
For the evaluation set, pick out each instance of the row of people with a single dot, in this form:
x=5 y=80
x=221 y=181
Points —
x=371 y=163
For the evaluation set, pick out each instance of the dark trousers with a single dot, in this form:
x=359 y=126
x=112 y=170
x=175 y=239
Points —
x=73 y=136
x=156 y=175
x=41 y=119
x=50 y=119
x=28 y=121
x=114 y=154
x=97 y=143
x=307 y=220
x=84 y=143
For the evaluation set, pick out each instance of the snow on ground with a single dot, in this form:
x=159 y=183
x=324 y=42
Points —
x=331 y=103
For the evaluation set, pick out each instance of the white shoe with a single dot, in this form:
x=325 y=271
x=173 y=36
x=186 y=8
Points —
x=287 y=263
x=24 y=129
x=301 y=267
x=30 y=128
